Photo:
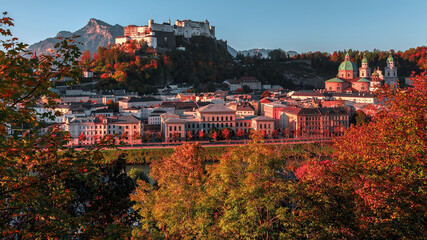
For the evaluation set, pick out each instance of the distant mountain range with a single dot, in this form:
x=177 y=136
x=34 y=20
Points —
x=255 y=51
x=97 y=33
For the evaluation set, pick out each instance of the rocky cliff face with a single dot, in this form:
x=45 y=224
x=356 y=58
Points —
x=96 y=33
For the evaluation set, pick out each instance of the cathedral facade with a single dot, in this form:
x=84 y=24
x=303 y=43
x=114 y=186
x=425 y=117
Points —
x=352 y=79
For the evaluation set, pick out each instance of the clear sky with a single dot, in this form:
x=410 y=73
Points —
x=300 y=25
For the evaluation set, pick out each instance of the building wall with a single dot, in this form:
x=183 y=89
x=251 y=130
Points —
x=334 y=86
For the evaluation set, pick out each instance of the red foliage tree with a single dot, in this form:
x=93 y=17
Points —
x=226 y=133
x=214 y=136
x=202 y=134
x=189 y=136
x=175 y=136
x=240 y=132
x=82 y=137
x=274 y=133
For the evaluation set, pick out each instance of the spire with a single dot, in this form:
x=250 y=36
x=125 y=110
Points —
x=347 y=57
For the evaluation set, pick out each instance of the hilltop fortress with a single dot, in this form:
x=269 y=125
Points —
x=162 y=35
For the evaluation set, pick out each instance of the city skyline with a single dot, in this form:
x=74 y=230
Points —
x=301 y=26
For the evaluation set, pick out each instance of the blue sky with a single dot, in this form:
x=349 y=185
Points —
x=300 y=25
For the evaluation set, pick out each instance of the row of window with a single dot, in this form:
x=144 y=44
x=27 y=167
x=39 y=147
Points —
x=217 y=118
x=266 y=126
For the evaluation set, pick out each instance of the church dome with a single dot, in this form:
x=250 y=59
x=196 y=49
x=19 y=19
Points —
x=390 y=59
x=347 y=65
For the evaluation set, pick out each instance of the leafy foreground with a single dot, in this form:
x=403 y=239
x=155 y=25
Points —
x=47 y=191
x=373 y=187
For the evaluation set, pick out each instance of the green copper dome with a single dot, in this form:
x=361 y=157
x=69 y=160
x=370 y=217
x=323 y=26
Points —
x=364 y=60
x=390 y=59
x=347 y=65
x=363 y=80
x=335 y=80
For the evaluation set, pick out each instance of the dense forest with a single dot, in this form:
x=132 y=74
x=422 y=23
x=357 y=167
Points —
x=372 y=185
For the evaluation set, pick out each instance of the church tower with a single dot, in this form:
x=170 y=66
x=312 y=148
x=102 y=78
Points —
x=390 y=72
x=365 y=70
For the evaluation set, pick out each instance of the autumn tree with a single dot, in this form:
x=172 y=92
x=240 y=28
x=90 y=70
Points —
x=240 y=132
x=215 y=136
x=226 y=133
x=373 y=187
x=36 y=201
x=274 y=133
x=175 y=136
x=189 y=136
x=147 y=136
x=82 y=137
x=247 y=191
x=172 y=209
x=202 y=134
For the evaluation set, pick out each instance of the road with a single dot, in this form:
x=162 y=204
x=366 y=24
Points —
x=231 y=143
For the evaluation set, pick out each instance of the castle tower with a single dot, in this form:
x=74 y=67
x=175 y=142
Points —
x=347 y=69
x=365 y=70
x=390 y=72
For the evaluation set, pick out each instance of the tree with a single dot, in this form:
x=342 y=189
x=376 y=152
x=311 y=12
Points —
x=242 y=197
x=274 y=133
x=105 y=191
x=246 y=89
x=215 y=136
x=159 y=136
x=82 y=137
x=36 y=200
x=113 y=105
x=360 y=118
x=85 y=59
x=175 y=136
x=147 y=136
x=180 y=179
x=373 y=187
x=202 y=134
x=240 y=133
x=226 y=133
x=189 y=136
x=287 y=132
x=246 y=192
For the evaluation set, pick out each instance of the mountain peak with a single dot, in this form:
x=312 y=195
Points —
x=94 y=34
